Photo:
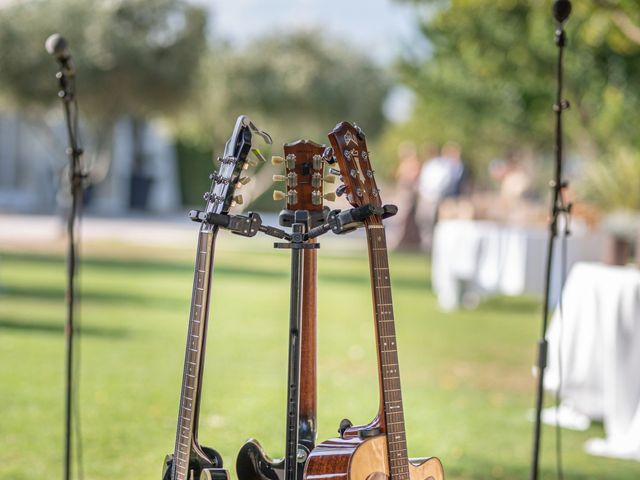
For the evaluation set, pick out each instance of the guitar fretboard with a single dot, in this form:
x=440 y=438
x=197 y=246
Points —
x=194 y=356
x=393 y=413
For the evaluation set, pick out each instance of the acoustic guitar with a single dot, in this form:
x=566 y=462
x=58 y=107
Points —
x=304 y=180
x=377 y=450
x=190 y=460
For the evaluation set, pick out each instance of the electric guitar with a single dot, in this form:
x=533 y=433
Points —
x=190 y=460
x=377 y=450
x=304 y=181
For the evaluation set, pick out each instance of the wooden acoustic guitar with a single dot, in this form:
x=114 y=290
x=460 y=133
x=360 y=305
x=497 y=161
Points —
x=377 y=450
x=304 y=181
x=190 y=460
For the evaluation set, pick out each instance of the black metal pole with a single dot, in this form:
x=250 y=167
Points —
x=561 y=11
x=67 y=94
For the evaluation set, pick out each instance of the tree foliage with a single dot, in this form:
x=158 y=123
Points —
x=488 y=80
x=133 y=56
x=296 y=86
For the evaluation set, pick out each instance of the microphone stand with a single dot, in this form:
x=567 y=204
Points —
x=557 y=207
x=67 y=94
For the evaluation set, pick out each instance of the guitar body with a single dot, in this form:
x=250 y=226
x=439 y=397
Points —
x=253 y=463
x=353 y=458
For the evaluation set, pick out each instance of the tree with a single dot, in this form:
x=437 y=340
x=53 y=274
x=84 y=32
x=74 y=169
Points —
x=489 y=77
x=294 y=86
x=134 y=56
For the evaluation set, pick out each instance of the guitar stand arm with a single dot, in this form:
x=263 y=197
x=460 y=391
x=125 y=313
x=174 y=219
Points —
x=244 y=225
x=341 y=222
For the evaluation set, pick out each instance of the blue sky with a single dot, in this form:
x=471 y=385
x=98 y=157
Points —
x=378 y=27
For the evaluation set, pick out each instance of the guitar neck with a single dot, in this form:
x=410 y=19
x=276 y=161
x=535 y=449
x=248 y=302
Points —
x=187 y=431
x=308 y=388
x=391 y=408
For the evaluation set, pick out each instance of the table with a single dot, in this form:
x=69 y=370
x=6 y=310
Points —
x=596 y=333
x=481 y=258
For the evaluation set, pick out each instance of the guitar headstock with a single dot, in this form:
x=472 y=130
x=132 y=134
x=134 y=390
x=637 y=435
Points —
x=350 y=150
x=304 y=178
x=224 y=182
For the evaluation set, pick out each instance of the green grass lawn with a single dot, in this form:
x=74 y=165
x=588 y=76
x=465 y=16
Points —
x=466 y=376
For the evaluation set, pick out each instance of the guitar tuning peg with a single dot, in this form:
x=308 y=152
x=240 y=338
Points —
x=328 y=156
x=258 y=154
x=278 y=195
x=341 y=190
x=279 y=178
x=317 y=162
x=251 y=162
x=330 y=179
x=334 y=171
x=330 y=196
x=290 y=161
x=244 y=180
x=238 y=199
x=276 y=160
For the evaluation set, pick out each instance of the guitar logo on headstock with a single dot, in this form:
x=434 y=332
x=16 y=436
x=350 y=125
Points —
x=349 y=137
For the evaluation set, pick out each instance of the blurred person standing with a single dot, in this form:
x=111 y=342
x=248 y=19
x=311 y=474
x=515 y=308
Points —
x=406 y=234
x=513 y=177
x=441 y=177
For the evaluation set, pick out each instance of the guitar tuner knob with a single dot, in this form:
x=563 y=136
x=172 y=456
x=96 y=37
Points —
x=334 y=171
x=317 y=162
x=341 y=190
x=316 y=180
x=279 y=178
x=238 y=199
x=278 y=195
x=330 y=196
x=276 y=160
x=292 y=179
x=330 y=179
x=328 y=156
x=244 y=180
x=290 y=161
x=252 y=162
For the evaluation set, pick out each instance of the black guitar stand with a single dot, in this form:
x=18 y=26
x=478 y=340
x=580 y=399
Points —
x=295 y=452
x=340 y=222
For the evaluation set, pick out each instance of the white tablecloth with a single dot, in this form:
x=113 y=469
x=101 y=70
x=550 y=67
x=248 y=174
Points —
x=484 y=258
x=599 y=338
